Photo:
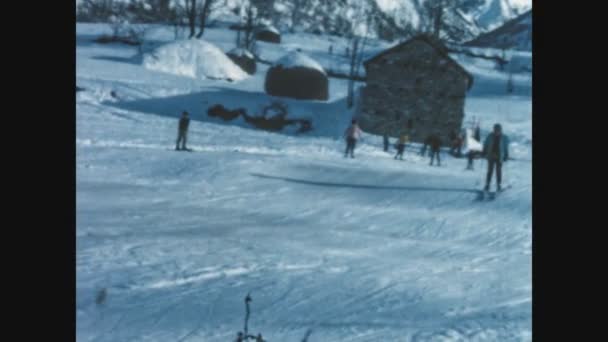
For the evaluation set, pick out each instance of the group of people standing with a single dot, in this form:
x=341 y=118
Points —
x=494 y=149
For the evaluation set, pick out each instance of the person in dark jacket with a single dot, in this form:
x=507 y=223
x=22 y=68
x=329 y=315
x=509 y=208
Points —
x=182 y=132
x=403 y=139
x=496 y=151
x=435 y=145
x=425 y=146
x=386 y=141
x=477 y=134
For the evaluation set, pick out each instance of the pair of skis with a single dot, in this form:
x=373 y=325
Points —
x=483 y=195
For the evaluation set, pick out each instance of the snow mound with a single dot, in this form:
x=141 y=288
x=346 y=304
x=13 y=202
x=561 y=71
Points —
x=193 y=58
x=269 y=28
x=296 y=59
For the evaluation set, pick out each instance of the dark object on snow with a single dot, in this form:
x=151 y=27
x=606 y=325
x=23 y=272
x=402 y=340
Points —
x=435 y=143
x=101 y=296
x=307 y=335
x=268 y=34
x=182 y=133
x=113 y=94
x=456 y=144
x=416 y=80
x=236 y=27
x=247 y=311
x=298 y=82
x=79 y=89
x=386 y=142
x=114 y=39
x=225 y=114
x=277 y=123
x=471 y=156
x=243 y=59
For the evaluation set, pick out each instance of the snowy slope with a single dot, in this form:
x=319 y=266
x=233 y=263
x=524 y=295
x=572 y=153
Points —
x=368 y=249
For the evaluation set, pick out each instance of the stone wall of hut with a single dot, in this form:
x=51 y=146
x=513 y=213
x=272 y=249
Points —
x=415 y=83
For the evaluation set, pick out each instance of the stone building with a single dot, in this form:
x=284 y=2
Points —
x=416 y=84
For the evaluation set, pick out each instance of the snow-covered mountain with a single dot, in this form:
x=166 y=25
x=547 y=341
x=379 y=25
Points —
x=484 y=14
x=514 y=34
x=386 y=19
x=392 y=19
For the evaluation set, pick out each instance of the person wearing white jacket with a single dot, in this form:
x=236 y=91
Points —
x=352 y=134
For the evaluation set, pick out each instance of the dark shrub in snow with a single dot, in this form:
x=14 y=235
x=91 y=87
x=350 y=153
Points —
x=268 y=34
x=243 y=59
x=299 y=77
x=225 y=114
x=113 y=39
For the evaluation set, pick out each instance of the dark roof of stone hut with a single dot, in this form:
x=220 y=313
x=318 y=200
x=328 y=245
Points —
x=441 y=49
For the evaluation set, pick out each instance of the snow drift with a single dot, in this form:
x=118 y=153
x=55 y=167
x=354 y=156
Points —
x=194 y=58
x=296 y=59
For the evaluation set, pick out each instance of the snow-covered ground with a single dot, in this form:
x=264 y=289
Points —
x=365 y=249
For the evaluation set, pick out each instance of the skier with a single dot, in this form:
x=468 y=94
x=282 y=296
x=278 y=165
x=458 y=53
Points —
x=435 y=144
x=473 y=147
x=470 y=156
x=403 y=139
x=259 y=338
x=496 y=150
x=386 y=141
x=182 y=133
x=425 y=145
x=477 y=134
x=352 y=134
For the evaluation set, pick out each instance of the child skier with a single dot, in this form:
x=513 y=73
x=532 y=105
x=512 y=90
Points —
x=403 y=139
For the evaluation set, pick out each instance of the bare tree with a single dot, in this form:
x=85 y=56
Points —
x=297 y=10
x=190 y=11
x=137 y=34
x=96 y=10
x=265 y=9
x=444 y=19
x=433 y=11
x=204 y=15
x=177 y=20
x=246 y=32
x=251 y=22
x=355 y=54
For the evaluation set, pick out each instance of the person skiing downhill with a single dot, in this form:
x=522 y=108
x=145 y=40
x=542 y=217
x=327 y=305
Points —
x=182 y=133
x=352 y=134
x=403 y=139
x=496 y=151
